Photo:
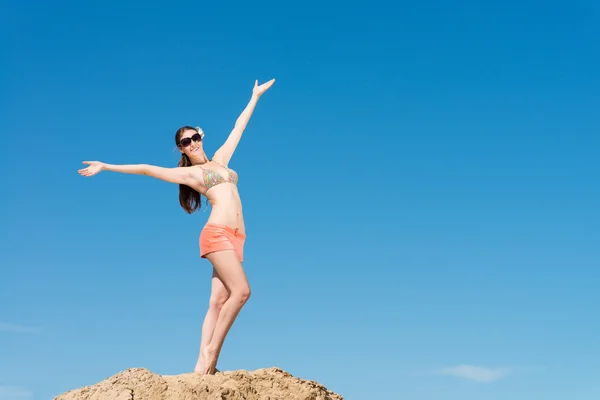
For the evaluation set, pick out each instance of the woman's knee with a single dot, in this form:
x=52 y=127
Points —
x=242 y=294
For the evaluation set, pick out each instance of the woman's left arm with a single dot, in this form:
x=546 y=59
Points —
x=225 y=152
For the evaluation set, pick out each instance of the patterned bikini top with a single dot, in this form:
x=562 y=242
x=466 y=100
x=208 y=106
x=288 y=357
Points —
x=212 y=178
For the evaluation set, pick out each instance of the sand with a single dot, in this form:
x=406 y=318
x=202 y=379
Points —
x=262 y=384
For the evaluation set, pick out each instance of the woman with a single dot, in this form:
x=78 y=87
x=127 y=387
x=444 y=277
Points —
x=222 y=238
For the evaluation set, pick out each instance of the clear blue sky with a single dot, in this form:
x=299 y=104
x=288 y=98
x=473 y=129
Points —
x=420 y=189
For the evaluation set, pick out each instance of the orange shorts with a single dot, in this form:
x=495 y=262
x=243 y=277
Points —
x=215 y=237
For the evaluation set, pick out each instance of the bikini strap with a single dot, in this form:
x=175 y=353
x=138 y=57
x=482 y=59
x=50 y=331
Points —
x=219 y=163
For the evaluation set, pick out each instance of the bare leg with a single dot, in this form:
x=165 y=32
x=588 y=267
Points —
x=232 y=275
x=218 y=296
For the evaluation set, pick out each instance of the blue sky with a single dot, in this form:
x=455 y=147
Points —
x=420 y=189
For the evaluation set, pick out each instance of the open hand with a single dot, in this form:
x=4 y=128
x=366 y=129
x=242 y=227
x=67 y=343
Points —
x=93 y=169
x=260 y=89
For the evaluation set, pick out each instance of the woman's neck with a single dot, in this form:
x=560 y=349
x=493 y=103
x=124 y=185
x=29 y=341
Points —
x=201 y=160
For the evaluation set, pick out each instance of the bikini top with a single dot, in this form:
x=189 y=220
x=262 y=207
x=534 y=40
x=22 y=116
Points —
x=212 y=178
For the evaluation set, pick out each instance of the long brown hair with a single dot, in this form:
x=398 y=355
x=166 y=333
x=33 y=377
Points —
x=188 y=198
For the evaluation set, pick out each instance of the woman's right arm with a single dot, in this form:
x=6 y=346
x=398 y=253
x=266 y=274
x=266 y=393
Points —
x=180 y=175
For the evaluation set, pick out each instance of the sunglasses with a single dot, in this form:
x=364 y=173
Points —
x=185 y=142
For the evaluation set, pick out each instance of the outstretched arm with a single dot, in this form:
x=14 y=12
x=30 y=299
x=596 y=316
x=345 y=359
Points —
x=179 y=175
x=225 y=152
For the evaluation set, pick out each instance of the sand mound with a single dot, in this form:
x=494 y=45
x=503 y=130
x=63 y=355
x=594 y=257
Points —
x=262 y=384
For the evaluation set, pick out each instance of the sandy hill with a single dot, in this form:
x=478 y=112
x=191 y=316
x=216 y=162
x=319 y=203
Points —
x=262 y=384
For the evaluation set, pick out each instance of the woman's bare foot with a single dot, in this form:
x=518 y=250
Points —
x=209 y=361
x=200 y=365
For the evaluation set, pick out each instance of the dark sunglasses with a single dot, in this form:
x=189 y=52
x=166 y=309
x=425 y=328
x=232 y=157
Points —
x=185 y=142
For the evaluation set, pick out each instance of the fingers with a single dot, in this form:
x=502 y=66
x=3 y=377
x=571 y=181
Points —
x=266 y=84
x=87 y=171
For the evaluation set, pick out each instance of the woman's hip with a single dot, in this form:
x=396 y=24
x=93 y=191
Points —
x=215 y=237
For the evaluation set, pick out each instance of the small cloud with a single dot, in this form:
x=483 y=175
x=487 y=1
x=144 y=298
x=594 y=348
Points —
x=474 y=373
x=14 y=393
x=15 y=328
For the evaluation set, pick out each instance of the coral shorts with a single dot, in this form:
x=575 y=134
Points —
x=215 y=237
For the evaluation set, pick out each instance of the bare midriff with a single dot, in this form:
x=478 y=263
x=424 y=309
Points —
x=226 y=206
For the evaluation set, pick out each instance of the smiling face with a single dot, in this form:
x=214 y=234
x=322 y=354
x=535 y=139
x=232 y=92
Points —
x=189 y=142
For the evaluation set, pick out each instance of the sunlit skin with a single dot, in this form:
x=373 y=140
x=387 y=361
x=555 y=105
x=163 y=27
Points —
x=230 y=289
